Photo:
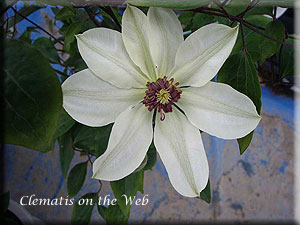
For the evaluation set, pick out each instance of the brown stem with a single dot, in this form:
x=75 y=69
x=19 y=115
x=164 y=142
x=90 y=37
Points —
x=243 y=37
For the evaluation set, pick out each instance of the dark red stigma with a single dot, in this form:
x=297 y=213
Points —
x=161 y=95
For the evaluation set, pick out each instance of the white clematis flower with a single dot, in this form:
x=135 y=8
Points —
x=148 y=67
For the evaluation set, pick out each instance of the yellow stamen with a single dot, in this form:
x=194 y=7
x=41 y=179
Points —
x=163 y=96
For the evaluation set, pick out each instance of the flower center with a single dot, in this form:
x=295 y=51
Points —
x=161 y=95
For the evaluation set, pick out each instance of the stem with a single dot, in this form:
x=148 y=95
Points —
x=38 y=26
x=243 y=37
x=222 y=8
x=250 y=6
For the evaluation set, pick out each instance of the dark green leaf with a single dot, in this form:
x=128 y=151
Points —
x=174 y=4
x=4 y=202
x=245 y=142
x=76 y=178
x=70 y=33
x=253 y=40
x=66 y=152
x=65 y=13
x=76 y=61
x=83 y=209
x=281 y=3
x=151 y=157
x=32 y=98
x=268 y=48
x=127 y=186
x=286 y=60
x=260 y=10
x=239 y=72
x=65 y=124
x=47 y=48
x=236 y=7
x=186 y=17
x=201 y=20
x=115 y=216
x=206 y=193
x=93 y=139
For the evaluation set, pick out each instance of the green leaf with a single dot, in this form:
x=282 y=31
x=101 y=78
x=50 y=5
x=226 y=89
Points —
x=70 y=33
x=93 y=139
x=66 y=152
x=253 y=39
x=201 y=20
x=65 y=13
x=205 y=194
x=260 y=10
x=174 y=4
x=76 y=61
x=239 y=72
x=244 y=142
x=268 y=48
x=128 y=187
x=236 y=7
x=32 y=98
x=47 y=48
x=115 y=216
x=65 y=124
x=76 y=178
x=286 y=59
x=83 y=209
x=281 y=3
x=4 y=202
x=25 y=11
x=151 y=157
x=186 y=17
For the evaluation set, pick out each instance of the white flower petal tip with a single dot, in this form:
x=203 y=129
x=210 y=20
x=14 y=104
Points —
x=203 y=53
x=129 y=141
x=165 y=37
x=181 y=150
x=220 y=110
x=136 y=40
x=94 y=102
x=104 y=53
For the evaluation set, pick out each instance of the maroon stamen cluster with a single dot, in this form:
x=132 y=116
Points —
x=154 y=89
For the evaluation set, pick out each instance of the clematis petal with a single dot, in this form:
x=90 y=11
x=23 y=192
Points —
x=219 y=110
x=202 y=54
x=165 y=36
x=94 y=102
x=180 y=147
x=104 y=53
x=129 y=141
x=136 y=39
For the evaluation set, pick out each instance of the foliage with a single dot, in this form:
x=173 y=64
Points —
x=33 y=67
